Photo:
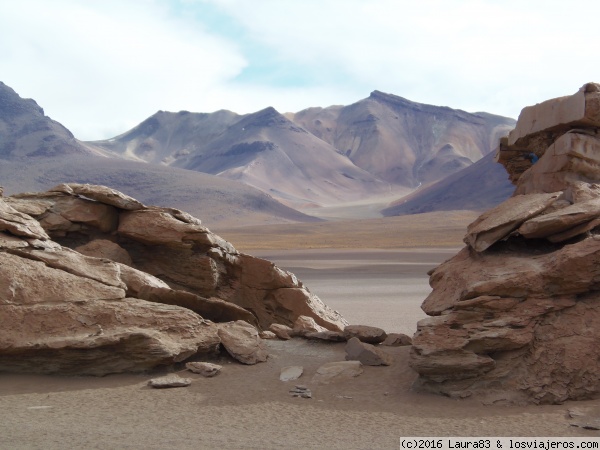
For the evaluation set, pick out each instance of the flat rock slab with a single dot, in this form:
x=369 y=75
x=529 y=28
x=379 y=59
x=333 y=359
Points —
x=365 y=333
x=281 y=331
x=291 y=373
x=499 y=222
x=205 y=369
x=367 y=354
x=304 y=325
x=169 y=381
x=241 y=340
x=332 y=336
x=337 y=371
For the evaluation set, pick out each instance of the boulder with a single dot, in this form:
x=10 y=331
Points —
x=365 y=333
x=367 y=354
x=205 y=369
x=267 y=335
x=242 y=342
x=169 y=381
x=103 y=248
x=337 y=371
x=101 y=194
x=519 y=321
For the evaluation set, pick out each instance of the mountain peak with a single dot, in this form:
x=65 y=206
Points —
x=12 y=105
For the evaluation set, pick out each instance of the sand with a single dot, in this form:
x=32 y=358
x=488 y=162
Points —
x=247 y=407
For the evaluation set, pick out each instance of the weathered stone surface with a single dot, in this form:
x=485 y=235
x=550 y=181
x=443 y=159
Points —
x=291 y=373
x=97 y=337
x=267 y=335
x=367 y=354
x=213 y=309
x=520 y=321
x=337 y=371
x=333 y=336
x=499 y=222
x=169 y=381
x=397 y=340
x=304 y=325
x=205 y=369
x=160 y=254
x=242 y=342
x=19 y=224
x=281 y=331
x=103 y=248
x=546 y=225
x=101 y=194
x=365 y=333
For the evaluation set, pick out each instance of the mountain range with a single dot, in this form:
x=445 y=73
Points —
x=267 y=166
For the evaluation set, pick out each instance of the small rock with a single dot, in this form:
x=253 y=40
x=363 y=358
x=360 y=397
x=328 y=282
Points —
x=397 y=340
x=304 y=325
x=204 y=368
x=301 y=391
x=291 y=373
x=281 y=331
x=169 y=381
x=267 y=335
x=365 y=333
x=367 y=354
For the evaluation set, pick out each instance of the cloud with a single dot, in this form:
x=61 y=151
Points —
x=102 y=67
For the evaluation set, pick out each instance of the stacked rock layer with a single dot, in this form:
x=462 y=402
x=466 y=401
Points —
x=94 y=282
x=515 y=316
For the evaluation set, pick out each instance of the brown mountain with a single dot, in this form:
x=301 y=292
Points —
x=477 y=187
x=375 y=148
x=404 y=142
x=37 y=153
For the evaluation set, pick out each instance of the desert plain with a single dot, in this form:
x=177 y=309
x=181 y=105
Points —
x=372 y=271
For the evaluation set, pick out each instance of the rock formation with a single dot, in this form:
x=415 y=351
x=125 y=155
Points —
x=93 y=282
x=515 y=316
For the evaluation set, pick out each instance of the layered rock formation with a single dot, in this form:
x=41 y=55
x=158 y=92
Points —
x=515 y=316
x=93 y=282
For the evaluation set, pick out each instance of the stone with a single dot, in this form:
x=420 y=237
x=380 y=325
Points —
x=281 y=331
x=291 y=373
x=301 y=391
x=205 y=369
x=267 y=335
x=499 y=222
x=564 y=219
x=19 y=224
x=304 y=325
x=169 y=381
x=103 y=248
x=242 y=342
x=327 y=335
x=365 y=333
x=367 y=354
x=397 y=340
x=101 y=194
x=337 y=371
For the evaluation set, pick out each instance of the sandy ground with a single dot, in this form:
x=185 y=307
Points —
x=247 y=407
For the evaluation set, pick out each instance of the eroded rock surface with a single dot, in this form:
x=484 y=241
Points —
x=515 y=316
x=94 y=282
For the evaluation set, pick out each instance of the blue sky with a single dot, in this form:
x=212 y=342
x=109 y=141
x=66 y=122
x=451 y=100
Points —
x=102 y=66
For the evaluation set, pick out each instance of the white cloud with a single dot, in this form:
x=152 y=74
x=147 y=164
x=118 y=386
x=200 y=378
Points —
x=101 y=67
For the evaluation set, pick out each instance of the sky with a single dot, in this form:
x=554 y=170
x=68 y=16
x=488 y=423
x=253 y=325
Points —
x=100 y=67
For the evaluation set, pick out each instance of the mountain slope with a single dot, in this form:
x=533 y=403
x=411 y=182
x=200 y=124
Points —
x=480 y=186
x=405 y=142
x=37 y=153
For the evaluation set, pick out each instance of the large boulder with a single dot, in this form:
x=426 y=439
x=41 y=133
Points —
x=94 y=282
x=515 y=316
